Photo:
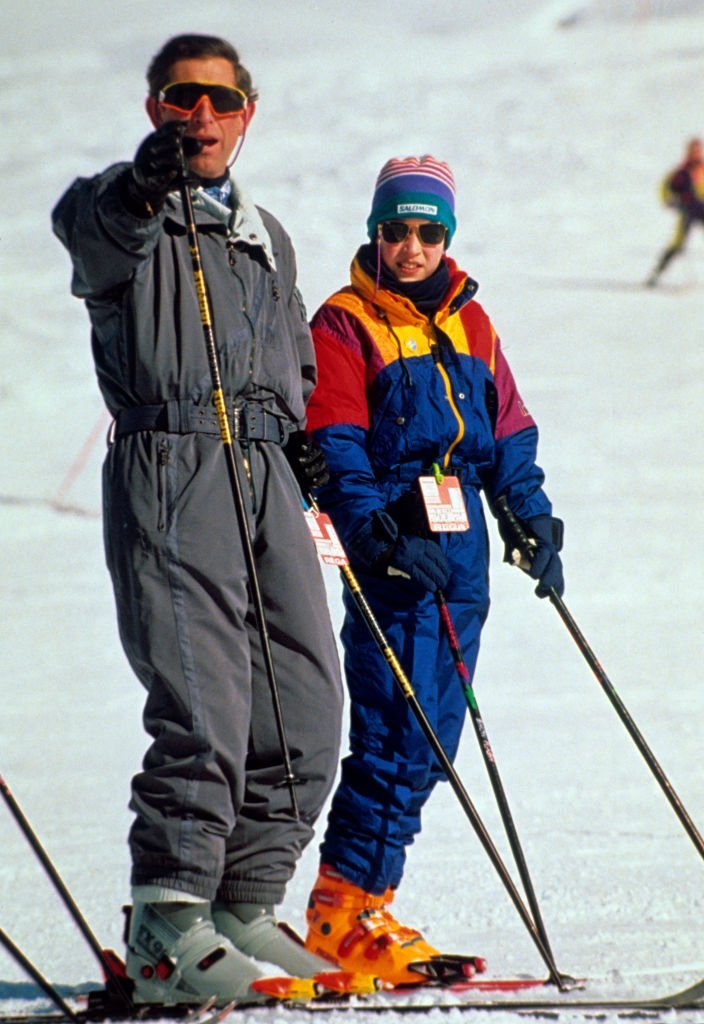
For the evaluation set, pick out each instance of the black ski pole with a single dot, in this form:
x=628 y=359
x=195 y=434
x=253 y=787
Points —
x=453 y=778
x=229 y=449
x=513 y=528
x=36 y=976
x=491 y=766
x=63 y=892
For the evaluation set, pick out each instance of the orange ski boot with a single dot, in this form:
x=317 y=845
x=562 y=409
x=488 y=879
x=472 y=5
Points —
x=356 y=931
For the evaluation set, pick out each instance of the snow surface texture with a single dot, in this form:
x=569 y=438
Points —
x=559 y=120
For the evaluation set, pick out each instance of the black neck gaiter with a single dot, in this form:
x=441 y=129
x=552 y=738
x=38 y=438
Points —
x=425 y=295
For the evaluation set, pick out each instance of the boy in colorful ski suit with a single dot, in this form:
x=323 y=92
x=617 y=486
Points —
x=682 y=190
x=412 y=382
x=215 y=838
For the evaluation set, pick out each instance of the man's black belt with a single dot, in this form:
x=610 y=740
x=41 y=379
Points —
x=251 y=421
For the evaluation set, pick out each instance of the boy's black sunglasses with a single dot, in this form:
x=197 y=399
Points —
x=395 y=231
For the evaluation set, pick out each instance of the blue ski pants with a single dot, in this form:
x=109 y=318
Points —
x=390 y=770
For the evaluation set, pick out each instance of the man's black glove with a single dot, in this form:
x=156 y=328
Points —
x=158 y=164
x=307 y=461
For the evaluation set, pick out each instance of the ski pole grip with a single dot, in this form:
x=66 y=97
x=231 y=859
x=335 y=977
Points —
x=517 y=540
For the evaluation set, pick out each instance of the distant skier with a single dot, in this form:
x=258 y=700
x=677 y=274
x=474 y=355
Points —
x=683 y=190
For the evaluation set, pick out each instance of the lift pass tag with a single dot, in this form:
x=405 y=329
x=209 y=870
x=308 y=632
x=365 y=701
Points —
x=444 y=504
x=327 y=542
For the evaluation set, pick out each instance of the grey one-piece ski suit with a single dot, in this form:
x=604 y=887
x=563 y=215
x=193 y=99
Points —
x=211 y=816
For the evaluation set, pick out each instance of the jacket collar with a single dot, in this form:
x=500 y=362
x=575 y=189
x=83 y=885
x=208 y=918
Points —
x=248 y=227
x=462 y=290
x=243 y=224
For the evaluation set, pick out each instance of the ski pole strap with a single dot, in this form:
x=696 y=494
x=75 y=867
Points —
x=250 y=421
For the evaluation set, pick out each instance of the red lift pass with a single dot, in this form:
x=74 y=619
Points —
x=327 y=542
x=444 y=504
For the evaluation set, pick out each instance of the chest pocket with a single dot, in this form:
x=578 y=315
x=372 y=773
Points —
x=389 y=438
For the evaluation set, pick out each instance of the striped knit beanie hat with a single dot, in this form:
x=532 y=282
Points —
x=414 y=186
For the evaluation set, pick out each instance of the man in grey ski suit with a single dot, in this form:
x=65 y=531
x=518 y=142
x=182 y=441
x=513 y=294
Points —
x=215 y=838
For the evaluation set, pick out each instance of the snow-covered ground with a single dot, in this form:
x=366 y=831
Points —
x=559 y=119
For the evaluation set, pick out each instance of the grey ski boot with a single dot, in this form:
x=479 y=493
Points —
x=175 y=955
x=253 y=929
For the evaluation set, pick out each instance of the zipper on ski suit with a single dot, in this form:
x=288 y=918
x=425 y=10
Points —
x=436 y=353
x=243 y=441
x=162 y=461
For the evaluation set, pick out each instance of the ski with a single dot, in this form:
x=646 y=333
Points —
x=336 y=984
x=399 y=1002
x=205 y=1014
x=690 y=998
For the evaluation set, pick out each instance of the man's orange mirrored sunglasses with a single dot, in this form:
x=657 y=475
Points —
x=184 y=97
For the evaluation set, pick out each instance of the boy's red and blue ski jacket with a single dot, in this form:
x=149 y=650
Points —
x=398 y=392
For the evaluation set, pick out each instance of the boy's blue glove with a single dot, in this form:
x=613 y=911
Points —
x=379 y=547
x=371 y=545
x=546 y=565
x=422 y=561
